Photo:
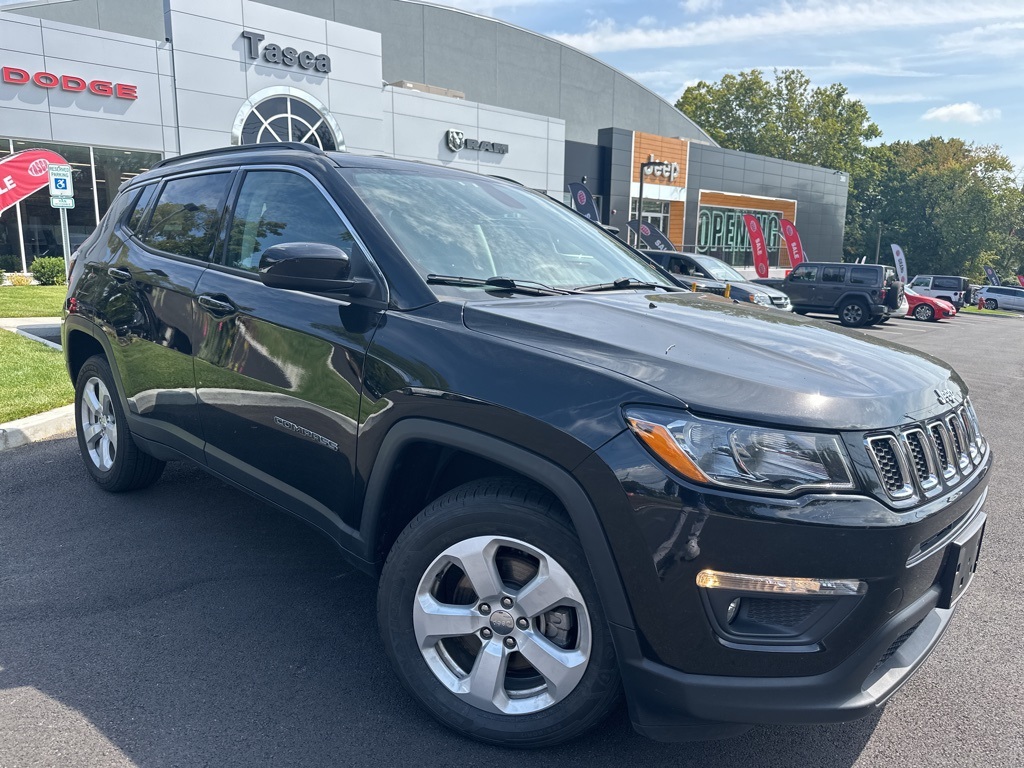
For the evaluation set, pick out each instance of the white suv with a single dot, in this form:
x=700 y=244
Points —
x=955 y=290
x=1002 y=297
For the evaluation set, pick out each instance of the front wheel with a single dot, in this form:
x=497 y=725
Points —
x=110 y=454
x=490 y=616
x=991 y=304
x=924 y=312
x=853 y=314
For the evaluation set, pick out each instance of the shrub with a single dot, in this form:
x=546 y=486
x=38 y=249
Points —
x=3 y=276
x=19 y=278
x=48 y=270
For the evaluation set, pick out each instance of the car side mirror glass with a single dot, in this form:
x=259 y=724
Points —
x=313 y=267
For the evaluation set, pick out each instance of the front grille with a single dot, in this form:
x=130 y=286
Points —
x=923 y=457
x=780 y=301
x=896 y=645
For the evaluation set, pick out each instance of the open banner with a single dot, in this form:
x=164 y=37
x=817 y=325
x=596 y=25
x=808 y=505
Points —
x=23 y=173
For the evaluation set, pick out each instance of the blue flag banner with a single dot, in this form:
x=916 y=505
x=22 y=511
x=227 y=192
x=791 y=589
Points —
x=651 y=235
x=583 y=202
x=993 y=278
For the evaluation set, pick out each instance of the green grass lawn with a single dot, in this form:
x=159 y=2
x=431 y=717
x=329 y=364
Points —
x=33 y=378
x=989 y=312
x=32 y=300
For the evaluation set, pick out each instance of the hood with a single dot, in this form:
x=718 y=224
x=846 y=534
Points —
x=727 y=359
x=766 y=290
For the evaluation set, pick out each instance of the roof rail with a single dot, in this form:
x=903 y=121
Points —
x=295 y=145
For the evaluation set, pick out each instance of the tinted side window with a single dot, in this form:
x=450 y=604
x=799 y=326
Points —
x=833 y=274
x=804 y=274
x=947 y=283
x=920 y=282
x=277 y=207
x=141 y=207
x=184 y=219
x=863 y=276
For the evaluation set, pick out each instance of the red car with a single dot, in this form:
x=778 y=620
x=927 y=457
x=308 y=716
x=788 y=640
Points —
x=927 y=308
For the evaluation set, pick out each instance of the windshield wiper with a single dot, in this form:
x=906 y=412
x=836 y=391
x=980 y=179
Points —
x=620 y=285
x=527 y=287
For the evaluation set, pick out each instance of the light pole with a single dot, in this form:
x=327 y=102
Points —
x=878 y=243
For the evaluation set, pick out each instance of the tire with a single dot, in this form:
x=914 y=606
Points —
x=518 y=545
x=991 y=304
x=110 y=454
x=924 y=312
x=894 y=296
x=853 y=313
x=884 y=319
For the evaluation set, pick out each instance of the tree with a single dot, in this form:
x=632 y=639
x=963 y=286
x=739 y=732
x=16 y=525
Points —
x=789 y=120
x=952 y=206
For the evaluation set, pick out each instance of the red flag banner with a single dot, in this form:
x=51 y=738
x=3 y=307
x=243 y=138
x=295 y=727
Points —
x=1020 y=279
x=793 y=244
x=757 y=244
x=23 y=173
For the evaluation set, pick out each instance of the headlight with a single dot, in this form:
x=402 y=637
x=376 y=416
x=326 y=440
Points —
x=738 y=456
x=760 y=298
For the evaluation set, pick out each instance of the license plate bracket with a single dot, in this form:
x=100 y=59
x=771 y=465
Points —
x=961 y=564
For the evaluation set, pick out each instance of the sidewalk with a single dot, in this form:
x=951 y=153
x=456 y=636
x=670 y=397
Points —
x=41 y=426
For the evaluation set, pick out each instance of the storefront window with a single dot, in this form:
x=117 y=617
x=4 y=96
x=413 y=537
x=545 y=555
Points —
x=655 y=212
x=97 y=175
x=286 y=118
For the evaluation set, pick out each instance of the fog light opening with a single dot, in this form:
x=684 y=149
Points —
x=732 y=610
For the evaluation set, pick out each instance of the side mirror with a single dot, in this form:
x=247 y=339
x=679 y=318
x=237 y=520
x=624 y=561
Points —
x=314 y=267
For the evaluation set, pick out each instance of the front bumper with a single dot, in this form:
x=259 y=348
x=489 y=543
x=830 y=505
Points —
x=668 y=705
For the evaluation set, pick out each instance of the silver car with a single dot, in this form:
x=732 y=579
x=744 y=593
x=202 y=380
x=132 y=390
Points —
x=1002 y=297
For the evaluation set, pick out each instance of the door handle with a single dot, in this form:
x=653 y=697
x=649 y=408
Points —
x=217 y=306
x=121 y=275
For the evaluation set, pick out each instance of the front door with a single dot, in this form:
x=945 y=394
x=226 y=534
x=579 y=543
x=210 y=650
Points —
x=801 y=285
x=278 y=372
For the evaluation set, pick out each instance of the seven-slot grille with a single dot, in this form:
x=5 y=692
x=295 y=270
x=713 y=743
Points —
x=922 y=456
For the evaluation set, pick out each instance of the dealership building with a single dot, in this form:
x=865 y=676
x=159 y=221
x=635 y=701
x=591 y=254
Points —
x=115 y=85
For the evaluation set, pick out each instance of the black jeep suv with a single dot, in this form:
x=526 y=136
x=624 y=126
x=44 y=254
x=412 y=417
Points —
x=571 y=476
x=860 y=294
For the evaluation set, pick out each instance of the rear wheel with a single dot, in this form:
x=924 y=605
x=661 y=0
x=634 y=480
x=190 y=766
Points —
x=853 y=313
x=110 y=454
x=991 y=304
x=489 y=614
x=924 y=312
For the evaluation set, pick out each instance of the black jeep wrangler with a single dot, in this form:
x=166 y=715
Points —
x=572 y=477
x=860 y=294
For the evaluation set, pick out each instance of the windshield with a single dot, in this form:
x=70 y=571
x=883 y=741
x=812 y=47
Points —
x=718 y=269
x=478 y=228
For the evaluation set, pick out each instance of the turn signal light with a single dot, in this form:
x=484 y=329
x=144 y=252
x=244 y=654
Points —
x=786 y=585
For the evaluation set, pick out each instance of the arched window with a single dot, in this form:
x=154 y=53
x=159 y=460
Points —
x=286 y=114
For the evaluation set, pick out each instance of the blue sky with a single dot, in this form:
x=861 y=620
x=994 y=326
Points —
x=922 y=67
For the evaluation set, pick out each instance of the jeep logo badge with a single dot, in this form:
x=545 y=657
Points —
x=946 y=396
x=502 y=622
x=455 y=140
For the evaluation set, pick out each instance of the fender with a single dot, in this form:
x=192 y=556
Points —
x=555 y=479
x=81 y=323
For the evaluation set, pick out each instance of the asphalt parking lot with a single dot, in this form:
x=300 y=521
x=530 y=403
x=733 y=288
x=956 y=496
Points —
x=188 y=625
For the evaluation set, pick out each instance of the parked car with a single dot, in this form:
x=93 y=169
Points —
x=714 y=275
x=954 y=289
x=860 y=294
x=926 y=308
x=571 y=476
x=1002 y=297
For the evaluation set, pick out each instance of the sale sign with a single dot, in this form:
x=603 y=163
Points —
x=23 y=173
x=793 y=243
x=757 y=244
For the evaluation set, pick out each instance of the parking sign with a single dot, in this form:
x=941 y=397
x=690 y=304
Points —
x=60 y=181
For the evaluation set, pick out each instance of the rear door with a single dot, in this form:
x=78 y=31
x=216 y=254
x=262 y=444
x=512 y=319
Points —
x=831 y=286
x=278 y=372
x=168 y=241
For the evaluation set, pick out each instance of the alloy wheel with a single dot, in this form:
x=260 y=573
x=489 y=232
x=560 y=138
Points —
x=502 y=625
x=99 y=424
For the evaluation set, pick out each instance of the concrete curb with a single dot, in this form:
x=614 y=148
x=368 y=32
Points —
x=42 y=426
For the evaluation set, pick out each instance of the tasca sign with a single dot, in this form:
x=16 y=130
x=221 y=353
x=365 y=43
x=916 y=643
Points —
x=23 y=173
x=285 y=55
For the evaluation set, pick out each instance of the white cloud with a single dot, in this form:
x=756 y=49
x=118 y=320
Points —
x=812 y=18
x=1004 y=40
x=964 y=112
x=698 y=6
